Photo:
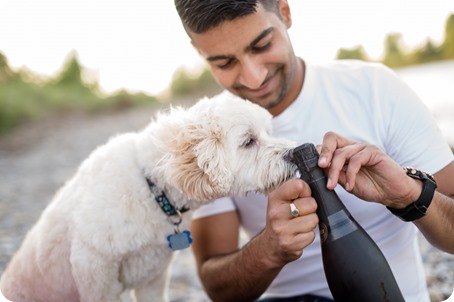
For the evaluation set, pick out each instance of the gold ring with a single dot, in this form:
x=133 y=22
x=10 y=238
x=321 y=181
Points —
x=294 y=210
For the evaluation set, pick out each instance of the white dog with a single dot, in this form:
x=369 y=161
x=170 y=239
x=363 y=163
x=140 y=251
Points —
x=105 y=232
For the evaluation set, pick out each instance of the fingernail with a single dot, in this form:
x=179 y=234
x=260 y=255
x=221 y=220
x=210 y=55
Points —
x=322 y=161
x=347 y=186
x=328 y=184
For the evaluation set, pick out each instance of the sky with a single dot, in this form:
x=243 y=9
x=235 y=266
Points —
x=138 y=44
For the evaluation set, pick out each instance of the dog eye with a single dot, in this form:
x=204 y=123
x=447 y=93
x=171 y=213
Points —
x=249 y=142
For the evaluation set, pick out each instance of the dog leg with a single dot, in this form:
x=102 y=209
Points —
x=96 y=276
x=154 y=291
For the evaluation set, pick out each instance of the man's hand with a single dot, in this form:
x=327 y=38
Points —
x=366 y=171
x=286 y=236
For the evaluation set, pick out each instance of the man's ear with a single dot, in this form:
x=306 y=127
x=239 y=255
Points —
x=284 y=9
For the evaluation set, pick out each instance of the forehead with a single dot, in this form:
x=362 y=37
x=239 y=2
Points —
x=233 y=37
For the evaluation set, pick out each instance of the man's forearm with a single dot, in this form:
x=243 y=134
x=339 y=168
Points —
x=438 y=225
x=240 y=276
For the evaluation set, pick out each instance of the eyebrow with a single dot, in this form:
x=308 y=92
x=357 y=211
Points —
x=248 y=48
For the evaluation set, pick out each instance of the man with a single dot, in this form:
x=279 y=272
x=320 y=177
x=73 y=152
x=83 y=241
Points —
x=380 y=126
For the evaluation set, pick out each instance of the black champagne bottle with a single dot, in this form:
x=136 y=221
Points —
x=354 y=266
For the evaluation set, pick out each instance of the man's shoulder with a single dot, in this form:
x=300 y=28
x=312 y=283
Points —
x=352 y=71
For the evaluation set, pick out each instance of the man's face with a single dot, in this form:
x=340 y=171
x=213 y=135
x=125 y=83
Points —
x=252 y=57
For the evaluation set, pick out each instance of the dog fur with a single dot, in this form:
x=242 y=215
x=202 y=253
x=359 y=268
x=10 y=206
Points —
x=104 y=233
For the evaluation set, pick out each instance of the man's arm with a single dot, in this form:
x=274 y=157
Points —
x=229 y=273
x=370 y=174
x=438 y=225
x=226 y=272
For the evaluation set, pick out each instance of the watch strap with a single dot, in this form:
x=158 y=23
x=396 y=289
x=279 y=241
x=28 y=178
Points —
x=418 y=208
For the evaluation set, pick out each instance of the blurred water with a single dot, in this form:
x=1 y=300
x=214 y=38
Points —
x=434 y=83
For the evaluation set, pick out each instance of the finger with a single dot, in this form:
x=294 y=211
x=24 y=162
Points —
x=304 y=239
x=354 y=166
x=294 y=245
x=302 y=224
x=290 y=190
x=340 y=163
x=331 y=142
x=368 y=156
x=305 y=206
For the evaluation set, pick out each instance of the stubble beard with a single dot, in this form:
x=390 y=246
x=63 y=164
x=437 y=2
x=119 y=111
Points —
x=283 y=88
x=276 y=97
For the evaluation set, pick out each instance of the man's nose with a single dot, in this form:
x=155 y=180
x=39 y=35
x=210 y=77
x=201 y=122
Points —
x=253 y=73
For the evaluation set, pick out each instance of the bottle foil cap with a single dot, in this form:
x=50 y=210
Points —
x=305 y=156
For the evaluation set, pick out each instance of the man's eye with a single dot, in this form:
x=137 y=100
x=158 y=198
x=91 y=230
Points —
x=226 y=65
x=261 y=48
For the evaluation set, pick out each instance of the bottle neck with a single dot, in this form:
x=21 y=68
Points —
x=327 y=200
x=335 y=221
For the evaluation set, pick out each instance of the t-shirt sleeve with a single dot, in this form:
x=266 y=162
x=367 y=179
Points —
x=218 y=206
x=413 y=137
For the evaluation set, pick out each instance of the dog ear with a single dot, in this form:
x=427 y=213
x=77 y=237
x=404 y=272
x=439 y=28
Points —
x=194 y=158
x=203 y=175
x=217 y=179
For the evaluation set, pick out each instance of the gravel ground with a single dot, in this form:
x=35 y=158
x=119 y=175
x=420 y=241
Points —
x=37 y=159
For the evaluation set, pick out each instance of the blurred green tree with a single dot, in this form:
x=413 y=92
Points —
x=357 y=53
x=71 y=73
x=429 y=52
x=25 y=96
x=184 y=83
x=448 y=44
x=394 y=55
x=6 y=73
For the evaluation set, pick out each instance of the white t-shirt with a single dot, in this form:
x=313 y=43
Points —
x=367 y=103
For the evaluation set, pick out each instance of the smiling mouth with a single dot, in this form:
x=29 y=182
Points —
x=261 y=92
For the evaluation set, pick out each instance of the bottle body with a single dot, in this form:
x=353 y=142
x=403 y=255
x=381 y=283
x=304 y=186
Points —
x=355 y=268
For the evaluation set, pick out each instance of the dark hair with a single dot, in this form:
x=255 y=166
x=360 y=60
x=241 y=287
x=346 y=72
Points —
x=201 y=15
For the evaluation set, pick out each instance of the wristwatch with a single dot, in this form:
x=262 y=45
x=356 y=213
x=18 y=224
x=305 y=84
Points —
x=418 y=208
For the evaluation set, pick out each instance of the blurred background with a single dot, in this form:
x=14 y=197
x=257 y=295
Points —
x=94 y=54
x=74 y=72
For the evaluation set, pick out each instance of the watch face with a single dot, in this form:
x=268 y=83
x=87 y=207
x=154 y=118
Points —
x=419 y=174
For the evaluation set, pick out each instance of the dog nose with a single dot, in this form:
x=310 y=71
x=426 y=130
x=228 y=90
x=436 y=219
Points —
x=288 y=156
